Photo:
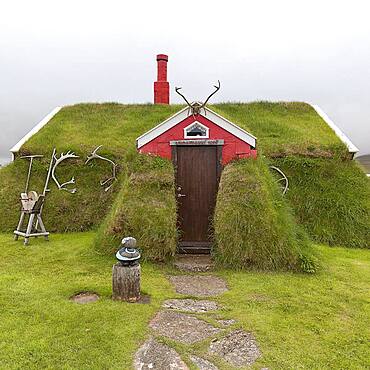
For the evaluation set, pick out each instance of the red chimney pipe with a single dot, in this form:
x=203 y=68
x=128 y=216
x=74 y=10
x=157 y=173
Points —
x=161 y=86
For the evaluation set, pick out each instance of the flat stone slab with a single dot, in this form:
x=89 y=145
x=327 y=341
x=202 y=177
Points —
x=199 y=286
x=202 y=364
x=181 y=327
x=85 y=297
x=190 y=305
x=194 y=262
x=227 y=322
x=238 y=348
x=155 y=355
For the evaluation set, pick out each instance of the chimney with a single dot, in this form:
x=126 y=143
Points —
x=161 y=86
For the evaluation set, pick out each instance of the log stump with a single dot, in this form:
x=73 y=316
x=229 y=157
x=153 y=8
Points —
x=126 y=282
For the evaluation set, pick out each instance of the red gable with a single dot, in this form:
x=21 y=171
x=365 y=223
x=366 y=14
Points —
x=200 y=129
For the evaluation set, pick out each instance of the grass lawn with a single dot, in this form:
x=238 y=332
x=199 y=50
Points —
x=300 y=321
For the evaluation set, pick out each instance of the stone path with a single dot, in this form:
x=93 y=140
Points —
x=182 y=328
x=194 y=262
x=238 y=348
x=190 y=305
x=199 y=285
x=202 y=364
x=184 y=321
x=155 y=355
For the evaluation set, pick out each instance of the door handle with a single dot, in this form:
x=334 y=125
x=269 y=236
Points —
x=181 y=195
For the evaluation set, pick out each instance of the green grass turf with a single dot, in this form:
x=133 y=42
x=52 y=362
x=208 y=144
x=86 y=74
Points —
x=145 y=207
x=300 y=321
x=254 y=226
x=41 y=328
x=330 y=198
x=285 y=128
x=281 y=128
x=63 y=211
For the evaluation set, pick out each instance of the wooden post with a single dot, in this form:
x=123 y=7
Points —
x=126 y=282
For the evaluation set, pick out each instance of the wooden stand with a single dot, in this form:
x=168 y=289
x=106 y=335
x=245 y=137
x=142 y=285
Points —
x=32 y=208
x=126 y=282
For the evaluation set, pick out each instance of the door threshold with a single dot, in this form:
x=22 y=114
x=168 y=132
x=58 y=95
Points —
x=194 y=262
x=194 y=248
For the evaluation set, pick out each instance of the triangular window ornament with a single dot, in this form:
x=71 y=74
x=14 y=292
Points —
x=196 y=130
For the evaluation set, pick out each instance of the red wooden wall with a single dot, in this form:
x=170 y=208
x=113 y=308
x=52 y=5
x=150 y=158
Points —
x=233 y=146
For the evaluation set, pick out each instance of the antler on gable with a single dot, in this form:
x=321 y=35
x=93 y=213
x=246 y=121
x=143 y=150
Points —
x=217 y=88
x=177 y=89
x=196 y=107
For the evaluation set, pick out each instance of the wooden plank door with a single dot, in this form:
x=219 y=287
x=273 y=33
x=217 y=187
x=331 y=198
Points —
x=197 y=177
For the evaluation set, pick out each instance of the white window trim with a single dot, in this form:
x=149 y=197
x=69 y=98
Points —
x=196 y=137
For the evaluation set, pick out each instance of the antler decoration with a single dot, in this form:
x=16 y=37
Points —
x=196 y=107
x=217 y=88
x=110 y=179
x=177 y=89
x=59 y=160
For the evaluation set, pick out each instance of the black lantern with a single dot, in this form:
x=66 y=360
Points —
x=128 y=255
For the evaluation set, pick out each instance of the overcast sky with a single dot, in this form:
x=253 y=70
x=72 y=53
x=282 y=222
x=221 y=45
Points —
x=65 y=52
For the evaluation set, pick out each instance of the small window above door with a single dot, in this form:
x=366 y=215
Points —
x=196 y=130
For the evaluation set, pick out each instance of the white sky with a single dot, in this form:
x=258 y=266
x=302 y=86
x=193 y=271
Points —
x=56 y=53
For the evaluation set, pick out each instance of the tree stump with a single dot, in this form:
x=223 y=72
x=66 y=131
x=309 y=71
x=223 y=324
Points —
x=126 y=282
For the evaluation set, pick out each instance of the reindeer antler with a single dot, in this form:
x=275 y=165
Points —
x=110 y=179
x=196 y=107
x=63 y=157
x=217 y=88
x=177 y=89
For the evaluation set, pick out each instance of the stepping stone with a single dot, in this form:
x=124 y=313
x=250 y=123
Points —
x=190 y=305
x=226 y=322
x=199 y=286
x=194 y=262
x=155 y=355
x=238 y=348
x=181 y=327
x=203 y=364
x=85 y=297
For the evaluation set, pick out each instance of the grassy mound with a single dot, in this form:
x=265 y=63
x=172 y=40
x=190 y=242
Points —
x=142 y=202
x=144 y=208
x=331 y=199
x=254 y=227
x=80 y=128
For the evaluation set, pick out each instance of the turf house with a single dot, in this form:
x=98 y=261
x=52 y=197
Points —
x=253 y=227
x=199 y=179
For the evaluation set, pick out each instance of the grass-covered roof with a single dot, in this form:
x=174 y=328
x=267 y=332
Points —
x=142 y=202
x=280 y=128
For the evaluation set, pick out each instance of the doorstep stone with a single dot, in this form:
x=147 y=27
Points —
x=194 y=262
